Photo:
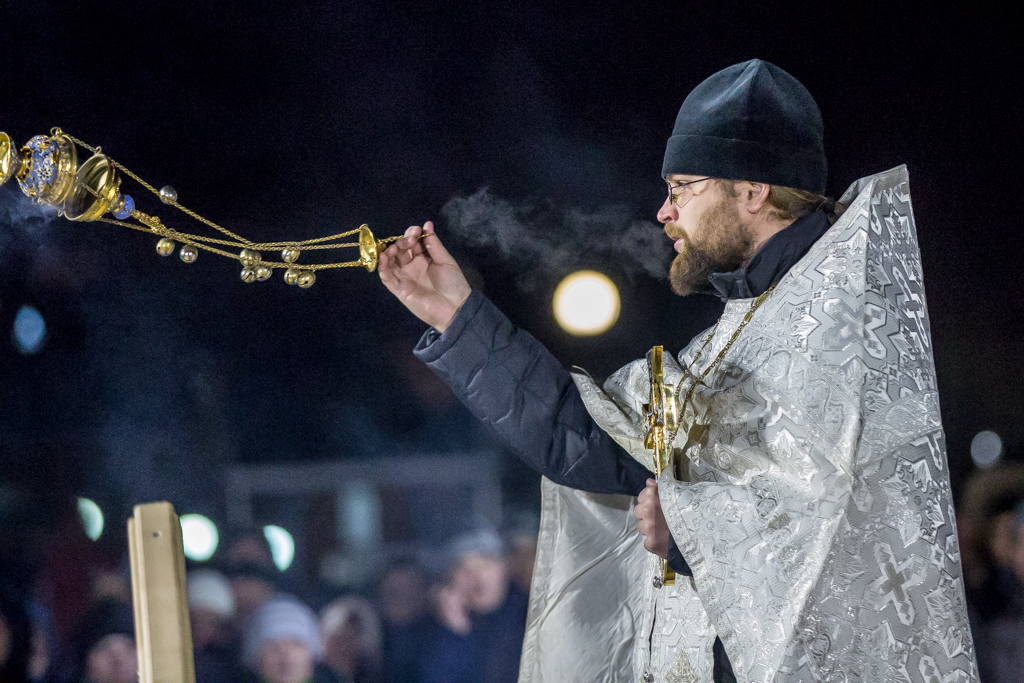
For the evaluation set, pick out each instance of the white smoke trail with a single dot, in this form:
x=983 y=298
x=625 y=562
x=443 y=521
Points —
x=540 y=240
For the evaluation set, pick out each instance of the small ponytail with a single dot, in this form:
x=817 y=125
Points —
x=788 y=203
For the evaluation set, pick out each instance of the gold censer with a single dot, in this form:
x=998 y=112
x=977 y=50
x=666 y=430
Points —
x=46 y=169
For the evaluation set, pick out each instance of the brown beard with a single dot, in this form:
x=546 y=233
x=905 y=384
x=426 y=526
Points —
x=719 y=244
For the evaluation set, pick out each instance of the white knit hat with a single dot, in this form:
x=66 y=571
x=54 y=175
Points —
x=209 y=589
x=283 y=618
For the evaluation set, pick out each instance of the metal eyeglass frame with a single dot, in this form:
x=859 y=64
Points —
x=672 y=196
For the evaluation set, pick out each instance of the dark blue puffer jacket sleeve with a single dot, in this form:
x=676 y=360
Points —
x=511 y=382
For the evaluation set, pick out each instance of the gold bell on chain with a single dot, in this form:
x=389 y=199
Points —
x=165 y=247
x=168 y=195
x=250 y=258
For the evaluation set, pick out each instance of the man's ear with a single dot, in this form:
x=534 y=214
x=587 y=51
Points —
x=753 y=196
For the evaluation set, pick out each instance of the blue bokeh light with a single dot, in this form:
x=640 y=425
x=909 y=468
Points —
x=29 y=330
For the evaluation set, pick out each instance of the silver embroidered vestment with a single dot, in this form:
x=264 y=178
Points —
x=810 y=494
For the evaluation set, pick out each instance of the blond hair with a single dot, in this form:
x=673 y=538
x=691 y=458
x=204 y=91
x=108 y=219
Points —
x=788 y=203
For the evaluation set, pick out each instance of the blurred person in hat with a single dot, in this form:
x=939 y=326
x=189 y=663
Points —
x=450 y=653
x=496 y=605
x=281 y=643
x=211 y=609
x=481 y=615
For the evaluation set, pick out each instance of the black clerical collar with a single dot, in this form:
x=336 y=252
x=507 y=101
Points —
x=772 y=261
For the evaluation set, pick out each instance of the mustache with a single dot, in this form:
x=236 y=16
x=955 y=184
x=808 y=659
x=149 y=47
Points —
x=674 y=231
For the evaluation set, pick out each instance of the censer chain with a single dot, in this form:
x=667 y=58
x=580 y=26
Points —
x=153 y=225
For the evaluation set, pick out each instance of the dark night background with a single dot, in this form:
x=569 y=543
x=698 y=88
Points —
x=287 y=120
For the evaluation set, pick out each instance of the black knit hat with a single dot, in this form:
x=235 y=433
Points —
x=750 y=121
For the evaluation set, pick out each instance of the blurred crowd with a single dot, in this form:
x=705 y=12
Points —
x=458 y=617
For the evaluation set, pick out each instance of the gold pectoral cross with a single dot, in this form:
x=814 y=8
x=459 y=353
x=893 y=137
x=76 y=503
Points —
x=660 y=420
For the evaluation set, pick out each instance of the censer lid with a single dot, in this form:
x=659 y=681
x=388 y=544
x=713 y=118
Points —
x=95 y=190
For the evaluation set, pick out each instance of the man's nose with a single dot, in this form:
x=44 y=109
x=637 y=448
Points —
x=667 y=213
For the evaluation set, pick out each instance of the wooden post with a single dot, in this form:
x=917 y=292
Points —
x=163 y=635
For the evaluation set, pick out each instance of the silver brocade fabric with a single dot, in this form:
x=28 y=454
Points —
x=810 y=493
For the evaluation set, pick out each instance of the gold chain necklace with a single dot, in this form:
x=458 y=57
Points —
x=700 y=380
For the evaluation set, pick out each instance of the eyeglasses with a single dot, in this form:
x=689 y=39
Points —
x=676 y=191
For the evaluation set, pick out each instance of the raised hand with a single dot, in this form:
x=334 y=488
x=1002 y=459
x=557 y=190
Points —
x=423 y=275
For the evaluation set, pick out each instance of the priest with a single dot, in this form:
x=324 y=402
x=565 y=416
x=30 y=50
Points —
x=807 y=511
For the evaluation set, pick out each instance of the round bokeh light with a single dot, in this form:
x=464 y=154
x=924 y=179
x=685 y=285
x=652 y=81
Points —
x=199 y=537
x=586 y=303
x=92 y=518
x=282 y=545
x=986 y=449
x=29 y=330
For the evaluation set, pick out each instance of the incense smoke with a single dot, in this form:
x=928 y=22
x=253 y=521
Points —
x=21 y=219
x=545 y=240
